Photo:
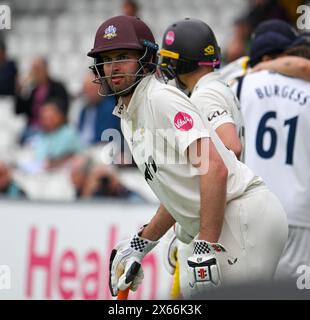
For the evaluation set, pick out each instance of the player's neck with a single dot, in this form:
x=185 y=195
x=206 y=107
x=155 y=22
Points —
x=190 y=79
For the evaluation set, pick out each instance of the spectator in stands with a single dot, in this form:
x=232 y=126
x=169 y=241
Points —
x=260 y=10
x=8 y=73
x=80 y=169
x=130 y=8
x=96 y=115
x=8 y=187
x=103 y=181
x=38 y=88
x=57 y=141
x=238 y=43
x=92 y=180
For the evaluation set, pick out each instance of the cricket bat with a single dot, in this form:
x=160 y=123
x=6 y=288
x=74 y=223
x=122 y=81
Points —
x=123 y=295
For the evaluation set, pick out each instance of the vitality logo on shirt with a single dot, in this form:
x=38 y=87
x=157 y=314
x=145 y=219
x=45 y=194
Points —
x=183 y=121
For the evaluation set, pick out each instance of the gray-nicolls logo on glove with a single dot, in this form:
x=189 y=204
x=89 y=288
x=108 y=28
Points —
x=202 y=265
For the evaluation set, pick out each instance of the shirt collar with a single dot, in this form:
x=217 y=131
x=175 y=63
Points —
x=124 y=112
x=120 y=109
x=215 y=75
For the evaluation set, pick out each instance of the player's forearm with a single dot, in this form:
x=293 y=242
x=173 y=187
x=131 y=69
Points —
x=213 y=187
x=213 y=184
x=213 y=202
x=292 y=66
x=228 y=134
x=303 y=67
x=159 y=225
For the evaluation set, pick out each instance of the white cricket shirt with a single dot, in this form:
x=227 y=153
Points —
x=218 y=103
x=234 y=69
x=157 y=117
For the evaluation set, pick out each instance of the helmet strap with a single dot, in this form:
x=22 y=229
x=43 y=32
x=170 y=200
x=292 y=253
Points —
x=181 y=85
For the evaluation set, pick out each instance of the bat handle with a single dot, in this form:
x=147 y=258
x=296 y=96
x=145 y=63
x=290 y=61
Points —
x=123 y=295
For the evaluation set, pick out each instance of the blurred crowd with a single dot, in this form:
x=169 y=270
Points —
x=49 y=134
x=51 y=144
x=259 y=11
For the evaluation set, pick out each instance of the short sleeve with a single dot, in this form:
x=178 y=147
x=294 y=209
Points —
x=177 y=118
x=213 y=105
x=218 y=115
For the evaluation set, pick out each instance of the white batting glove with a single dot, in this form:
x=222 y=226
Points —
x=170 y=251
x=125 y=263
x=204 y=271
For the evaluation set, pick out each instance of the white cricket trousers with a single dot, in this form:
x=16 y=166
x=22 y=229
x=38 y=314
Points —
x=254 y=233
x=296 y=254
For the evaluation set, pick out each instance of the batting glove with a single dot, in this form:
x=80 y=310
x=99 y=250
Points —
x=203 y=268
x=125 y=263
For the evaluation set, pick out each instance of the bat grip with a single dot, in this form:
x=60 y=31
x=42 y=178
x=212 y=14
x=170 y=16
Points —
x=123 y=295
